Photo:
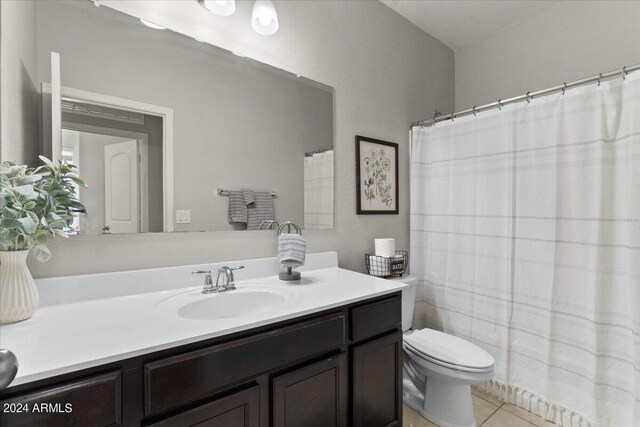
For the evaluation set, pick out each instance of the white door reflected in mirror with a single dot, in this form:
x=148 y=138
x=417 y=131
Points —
x=122 y=195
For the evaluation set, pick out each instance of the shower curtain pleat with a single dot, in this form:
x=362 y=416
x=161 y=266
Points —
x=525 y=237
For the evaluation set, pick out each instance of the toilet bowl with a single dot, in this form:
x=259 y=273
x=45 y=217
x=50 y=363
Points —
x=439 y=369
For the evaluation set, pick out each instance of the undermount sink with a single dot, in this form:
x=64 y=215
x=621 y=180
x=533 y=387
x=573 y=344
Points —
x=246 y=300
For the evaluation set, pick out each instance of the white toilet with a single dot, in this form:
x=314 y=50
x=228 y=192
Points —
x=439 y=369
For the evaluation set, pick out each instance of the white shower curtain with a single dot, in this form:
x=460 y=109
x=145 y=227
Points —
x=318 y=190
x=525 y=236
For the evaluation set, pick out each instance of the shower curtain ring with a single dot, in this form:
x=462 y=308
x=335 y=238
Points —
x=624 y=72
x=473 y=110
x=452 y=116
x=599 y=79
x=500 y=104
x=564 y=87
x=528 y=97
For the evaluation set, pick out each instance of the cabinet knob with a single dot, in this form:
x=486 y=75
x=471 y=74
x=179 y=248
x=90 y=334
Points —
x=8 y=367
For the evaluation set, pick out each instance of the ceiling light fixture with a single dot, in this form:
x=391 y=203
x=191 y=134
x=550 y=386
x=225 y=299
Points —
x=219 y=7
x=152 y=25
x=264 y=18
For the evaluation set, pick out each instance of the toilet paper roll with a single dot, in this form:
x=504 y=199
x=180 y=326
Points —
x=385 y=247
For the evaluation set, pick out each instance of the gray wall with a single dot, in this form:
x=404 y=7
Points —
x=19 y=104
x=570 y=41
x=236 y=124
x=386 y=73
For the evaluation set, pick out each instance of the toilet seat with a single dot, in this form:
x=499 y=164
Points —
x=448 y=351
x=443 y=364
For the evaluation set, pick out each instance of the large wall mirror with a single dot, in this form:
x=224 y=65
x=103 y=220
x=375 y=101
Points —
x=172 y=134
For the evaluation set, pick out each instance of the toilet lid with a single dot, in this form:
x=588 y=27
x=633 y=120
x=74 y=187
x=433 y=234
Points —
x=449 y=349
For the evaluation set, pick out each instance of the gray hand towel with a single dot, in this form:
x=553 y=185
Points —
x=237 y=208
x=261 y=210
x=291 y=250
x=249 y=197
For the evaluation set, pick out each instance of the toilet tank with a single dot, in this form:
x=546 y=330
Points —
x=408 y=300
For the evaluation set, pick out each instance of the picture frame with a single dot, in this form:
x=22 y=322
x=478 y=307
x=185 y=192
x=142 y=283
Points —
x=377 y=176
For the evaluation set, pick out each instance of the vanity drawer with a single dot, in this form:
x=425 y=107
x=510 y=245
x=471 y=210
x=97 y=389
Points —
x=375 y=318
x=92 y=401
x=241 y=409
x=183 y=378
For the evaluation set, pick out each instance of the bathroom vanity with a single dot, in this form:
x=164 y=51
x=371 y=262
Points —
x=329 y=355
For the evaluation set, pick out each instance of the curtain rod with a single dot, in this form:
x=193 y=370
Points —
x=439 y=117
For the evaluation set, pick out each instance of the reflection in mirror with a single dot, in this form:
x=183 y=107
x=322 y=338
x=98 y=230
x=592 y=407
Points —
x=158 y=122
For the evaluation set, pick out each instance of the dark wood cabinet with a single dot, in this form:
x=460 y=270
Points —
x=217 y=366
x=371 y=319
x=337 y=368
x=312 y=396
x=377 y=382
x=94 y=401
x=241 y=409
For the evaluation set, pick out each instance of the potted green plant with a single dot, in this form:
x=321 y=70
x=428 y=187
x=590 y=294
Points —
x=36 y=204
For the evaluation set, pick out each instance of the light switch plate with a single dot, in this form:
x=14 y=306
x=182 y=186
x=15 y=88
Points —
x=183 y=217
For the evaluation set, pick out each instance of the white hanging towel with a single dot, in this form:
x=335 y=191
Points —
x=291 y=250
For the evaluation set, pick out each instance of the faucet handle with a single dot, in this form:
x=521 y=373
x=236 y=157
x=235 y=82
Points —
x=240 y=267
x=208 y=282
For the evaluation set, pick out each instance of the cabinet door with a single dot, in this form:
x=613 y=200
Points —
x=377 y=382
x=312 y=396
x=92 y=401
x=241 y=409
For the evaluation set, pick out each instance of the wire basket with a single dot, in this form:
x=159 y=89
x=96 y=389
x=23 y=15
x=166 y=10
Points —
x=380 y=266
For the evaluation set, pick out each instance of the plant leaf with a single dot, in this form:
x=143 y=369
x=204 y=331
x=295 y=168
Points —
x=26 y=190
x=47 y=162
x=10 y=223
x=28 y=225
x=41 y=253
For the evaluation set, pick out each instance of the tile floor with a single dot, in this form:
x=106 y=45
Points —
x=489 y=412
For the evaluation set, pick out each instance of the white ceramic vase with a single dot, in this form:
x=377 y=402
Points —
x=18 y=293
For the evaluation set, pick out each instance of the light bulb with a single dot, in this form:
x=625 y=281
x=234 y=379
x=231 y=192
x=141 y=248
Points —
x=264 y=18
x=152 y=25
x=219 y=7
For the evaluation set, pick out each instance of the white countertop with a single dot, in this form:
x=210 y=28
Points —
x=66 y=337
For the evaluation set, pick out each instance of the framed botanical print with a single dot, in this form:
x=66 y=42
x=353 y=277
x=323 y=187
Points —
x=376 y=176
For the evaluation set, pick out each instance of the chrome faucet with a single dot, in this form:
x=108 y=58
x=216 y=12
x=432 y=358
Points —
x=228 y=281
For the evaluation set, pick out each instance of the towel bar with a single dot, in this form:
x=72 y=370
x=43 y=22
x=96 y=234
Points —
x=222 y=192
